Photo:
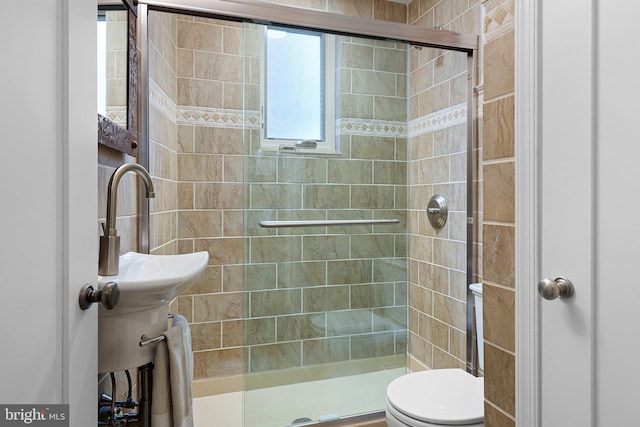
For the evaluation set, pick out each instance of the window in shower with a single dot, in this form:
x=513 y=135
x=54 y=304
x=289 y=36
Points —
x=298 y=97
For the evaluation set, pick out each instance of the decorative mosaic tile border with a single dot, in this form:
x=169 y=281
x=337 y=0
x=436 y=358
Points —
x=160 y=100
x=201 y=116
x=118 y=115
x=384 y=128
x=439 y=120
x=499 y=18
x=218 y=117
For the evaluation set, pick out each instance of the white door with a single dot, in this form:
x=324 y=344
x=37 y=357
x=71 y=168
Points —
x=48 y=178
x=587 y=92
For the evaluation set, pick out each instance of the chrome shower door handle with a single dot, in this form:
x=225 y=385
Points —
x=552 y=289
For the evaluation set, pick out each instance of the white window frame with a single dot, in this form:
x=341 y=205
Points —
x=328 y=144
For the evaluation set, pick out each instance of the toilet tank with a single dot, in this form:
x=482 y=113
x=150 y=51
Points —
x=476 y=288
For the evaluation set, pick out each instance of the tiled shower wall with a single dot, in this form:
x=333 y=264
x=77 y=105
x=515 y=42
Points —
x=286 y=288
x=499 y=214
x=163 y=157
x=210 y=190
x=496 y=160
x=438 y=165
x=322 y=295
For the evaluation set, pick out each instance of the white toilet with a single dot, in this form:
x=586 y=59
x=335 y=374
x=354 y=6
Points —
x=440 y=397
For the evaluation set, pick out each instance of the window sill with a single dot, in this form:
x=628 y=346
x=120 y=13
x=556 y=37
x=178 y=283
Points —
x=276 y=151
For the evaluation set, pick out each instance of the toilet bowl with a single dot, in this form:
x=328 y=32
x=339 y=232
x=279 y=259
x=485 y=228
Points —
x=439 y=397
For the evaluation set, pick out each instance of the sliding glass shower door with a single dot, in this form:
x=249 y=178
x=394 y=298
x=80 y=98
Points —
x=325 y=246
x=284 y=152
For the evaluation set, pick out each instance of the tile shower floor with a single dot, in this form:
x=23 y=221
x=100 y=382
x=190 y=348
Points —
x=279 y=406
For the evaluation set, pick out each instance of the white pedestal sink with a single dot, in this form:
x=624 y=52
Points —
x=147 y=285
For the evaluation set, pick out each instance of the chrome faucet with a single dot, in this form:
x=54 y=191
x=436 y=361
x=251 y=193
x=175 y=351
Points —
x=109 y=259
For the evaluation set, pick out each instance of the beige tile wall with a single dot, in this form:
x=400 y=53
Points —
x=210 y=192
x=499 y=214
x=438 y=165
x=496 y=158
x=163 y=157
x=305 y=293
x=338 y=293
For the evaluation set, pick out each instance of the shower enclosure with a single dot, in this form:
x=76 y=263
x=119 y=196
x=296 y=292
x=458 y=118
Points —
x=326 y=279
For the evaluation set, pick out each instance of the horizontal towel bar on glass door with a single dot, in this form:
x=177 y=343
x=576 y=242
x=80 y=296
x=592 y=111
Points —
x=326 y=223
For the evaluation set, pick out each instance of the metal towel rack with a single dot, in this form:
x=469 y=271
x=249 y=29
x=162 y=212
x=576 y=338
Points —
x=326 y=223
x=145 y=340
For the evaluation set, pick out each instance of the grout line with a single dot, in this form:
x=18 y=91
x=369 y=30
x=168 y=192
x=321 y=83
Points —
x=492 y=344
x=498 y=285
x=499 y=97
x=501 y=160
x=499 y=409
x=501 y=224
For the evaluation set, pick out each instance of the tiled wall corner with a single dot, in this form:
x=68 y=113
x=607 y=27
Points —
x=163 y=134
x=499 y=213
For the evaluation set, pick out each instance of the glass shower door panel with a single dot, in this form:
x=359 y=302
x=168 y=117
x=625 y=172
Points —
x=325 y=326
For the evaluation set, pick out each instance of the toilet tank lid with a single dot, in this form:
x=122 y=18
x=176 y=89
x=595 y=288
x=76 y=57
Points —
x=476 y=288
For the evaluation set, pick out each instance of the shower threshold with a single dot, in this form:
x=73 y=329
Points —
x=314 y=400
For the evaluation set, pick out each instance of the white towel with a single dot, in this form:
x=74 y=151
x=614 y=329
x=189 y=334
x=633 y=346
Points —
x=172 y=401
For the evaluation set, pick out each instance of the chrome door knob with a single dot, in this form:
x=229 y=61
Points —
x=108 y=296
x=552 y=289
